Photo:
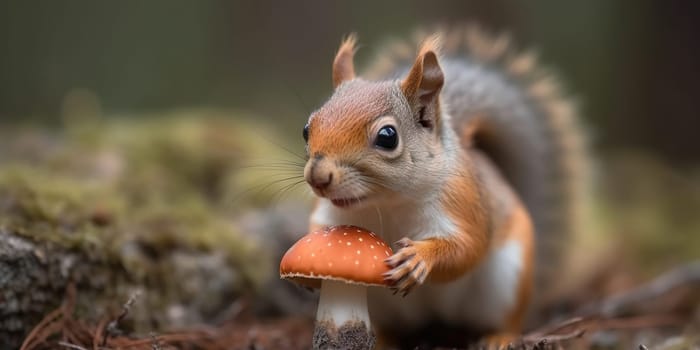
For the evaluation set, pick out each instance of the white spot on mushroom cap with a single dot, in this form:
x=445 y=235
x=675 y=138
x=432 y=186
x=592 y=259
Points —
x=308 y=240
x=358 y=252
x=313 y=255
x=357 y=262
x=359 y=239
x=386 y=252
x=329 y=244
x=375 y=257
x=349 y=243
x=371 y=246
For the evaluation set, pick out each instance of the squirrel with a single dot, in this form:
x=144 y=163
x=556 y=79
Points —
x=468 y=156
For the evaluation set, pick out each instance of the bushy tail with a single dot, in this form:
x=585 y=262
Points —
x=518 y=114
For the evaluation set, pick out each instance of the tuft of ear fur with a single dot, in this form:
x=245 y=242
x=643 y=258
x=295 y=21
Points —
x=424 y=81
x=343 y=66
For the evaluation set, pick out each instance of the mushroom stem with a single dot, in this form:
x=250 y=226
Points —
x=341 y=302
x=342 y=320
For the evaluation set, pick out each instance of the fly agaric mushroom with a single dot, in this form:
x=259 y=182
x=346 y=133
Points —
x=343 y=261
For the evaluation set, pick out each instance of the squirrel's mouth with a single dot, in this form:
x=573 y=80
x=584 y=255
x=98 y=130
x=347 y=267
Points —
x=346 y=202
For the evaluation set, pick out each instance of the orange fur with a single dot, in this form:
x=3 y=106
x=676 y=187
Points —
x=340 y=126
x=521 y=231
x=424 y=82
x=467 y=131
x=343 y=67
x=518 y=228
x=452 y=257
x=511 y=222
x=428 y=51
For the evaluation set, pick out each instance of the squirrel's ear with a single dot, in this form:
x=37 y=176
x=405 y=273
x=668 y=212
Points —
x=343 y=67
x=425 y=79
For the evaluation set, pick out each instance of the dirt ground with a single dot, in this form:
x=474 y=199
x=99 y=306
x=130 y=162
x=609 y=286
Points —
x=661 y=314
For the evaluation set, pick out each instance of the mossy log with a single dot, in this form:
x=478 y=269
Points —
x=125 y=207
x=34 y=276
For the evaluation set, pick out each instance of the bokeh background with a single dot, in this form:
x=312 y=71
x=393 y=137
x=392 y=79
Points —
x=632 y=64
x=139 y=83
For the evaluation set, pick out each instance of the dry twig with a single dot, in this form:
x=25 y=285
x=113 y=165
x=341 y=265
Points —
x=113 y=326
x=71 y=346
x=685 y=276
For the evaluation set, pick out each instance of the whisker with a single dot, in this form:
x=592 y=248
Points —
x=280 y=164
x=255 y=170
x=263 y=137
x=305 y=107
x=380 y=183
x=260 y=188
x=301 y=157
x=276 y=172
x=285 y=190
x=309 y=193
x=381 y=221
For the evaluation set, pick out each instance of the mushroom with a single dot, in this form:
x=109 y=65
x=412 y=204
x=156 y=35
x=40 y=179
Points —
x=343 y=261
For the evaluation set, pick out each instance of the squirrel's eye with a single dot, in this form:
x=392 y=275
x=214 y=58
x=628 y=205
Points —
x=387 y=138
x=305 y=133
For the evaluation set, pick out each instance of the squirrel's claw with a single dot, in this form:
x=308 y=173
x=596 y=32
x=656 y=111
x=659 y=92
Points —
x=404 y=242
x=409 y=268
x=406 y=252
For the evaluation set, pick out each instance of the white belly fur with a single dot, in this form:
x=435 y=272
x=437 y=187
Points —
x=482 y=298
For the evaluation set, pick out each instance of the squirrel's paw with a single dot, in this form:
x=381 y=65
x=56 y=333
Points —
x=409 y=269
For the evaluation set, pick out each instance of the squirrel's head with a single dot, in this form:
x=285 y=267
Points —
x=377 y=141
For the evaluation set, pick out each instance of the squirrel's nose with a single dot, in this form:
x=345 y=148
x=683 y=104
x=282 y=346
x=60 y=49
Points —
x=319 y=173
x=321 y=180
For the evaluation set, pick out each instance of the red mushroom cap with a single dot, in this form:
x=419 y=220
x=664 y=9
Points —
x=343 y=253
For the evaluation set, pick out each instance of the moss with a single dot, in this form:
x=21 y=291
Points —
x=144 y=203
x=158 y=183
x=54 y=209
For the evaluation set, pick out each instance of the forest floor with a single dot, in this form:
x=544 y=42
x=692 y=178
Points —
x=661 y=314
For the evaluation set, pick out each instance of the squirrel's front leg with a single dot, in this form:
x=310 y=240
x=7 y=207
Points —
x=441 y=259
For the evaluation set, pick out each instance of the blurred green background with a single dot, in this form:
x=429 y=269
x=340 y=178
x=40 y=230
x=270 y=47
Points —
x=632 y=65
